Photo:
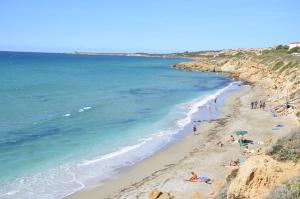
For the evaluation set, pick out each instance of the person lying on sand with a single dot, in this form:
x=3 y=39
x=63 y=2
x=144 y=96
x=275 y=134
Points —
x=246 y=150
x=195 y=178
x=232 y=163
x=220 y=144
x=259 y=151
x=231 y=139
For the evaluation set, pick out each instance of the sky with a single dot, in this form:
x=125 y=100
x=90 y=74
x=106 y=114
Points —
x=154 y=26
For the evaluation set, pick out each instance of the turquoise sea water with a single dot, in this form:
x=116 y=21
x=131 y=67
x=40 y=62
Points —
x=71 y=121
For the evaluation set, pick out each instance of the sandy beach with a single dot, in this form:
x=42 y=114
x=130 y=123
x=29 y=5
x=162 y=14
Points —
x=198 y=152
x=150 y=100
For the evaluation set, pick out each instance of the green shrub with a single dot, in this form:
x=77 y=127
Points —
x=232 y=175
x=287 y=148
x=295 y=50
x=278 y=65
x=289 y=190
x=265 y=51
x=284 y=68
x=282 y=47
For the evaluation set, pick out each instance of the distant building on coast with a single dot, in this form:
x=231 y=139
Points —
x=294 y=44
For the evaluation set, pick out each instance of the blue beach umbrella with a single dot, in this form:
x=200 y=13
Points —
x=240 y=132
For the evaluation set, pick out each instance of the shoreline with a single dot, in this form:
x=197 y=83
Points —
x=165 y=165
x=221 y=94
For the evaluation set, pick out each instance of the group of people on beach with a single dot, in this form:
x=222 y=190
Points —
x=234 y=163
x=279 y=110
x=241 y=141
x=258 y=104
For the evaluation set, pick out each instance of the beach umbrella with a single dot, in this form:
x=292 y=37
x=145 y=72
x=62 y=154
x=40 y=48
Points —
x=240 y=132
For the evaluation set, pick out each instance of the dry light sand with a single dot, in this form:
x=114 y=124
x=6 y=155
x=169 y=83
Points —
x=197 y=152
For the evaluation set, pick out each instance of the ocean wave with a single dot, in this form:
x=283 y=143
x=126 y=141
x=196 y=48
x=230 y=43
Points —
x=114 y=154
x=79 y=111
x=84 y=109
x=193 y=106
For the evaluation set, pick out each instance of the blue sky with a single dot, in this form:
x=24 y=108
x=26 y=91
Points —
x=149 y=26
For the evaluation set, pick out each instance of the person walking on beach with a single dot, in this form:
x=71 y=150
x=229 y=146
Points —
x=252 y=105
x=194 y=129
x=260 y=104
x=255 y=104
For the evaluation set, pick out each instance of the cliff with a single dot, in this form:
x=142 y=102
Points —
x=259 y=175
x=276 y=70
x=279 y=73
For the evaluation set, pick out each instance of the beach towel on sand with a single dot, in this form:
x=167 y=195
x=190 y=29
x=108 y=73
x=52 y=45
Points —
x=203 y=178
x=278 y=126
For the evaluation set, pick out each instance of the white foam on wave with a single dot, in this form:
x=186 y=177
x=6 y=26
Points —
x=52 y=184
x=114 y=154
x=193 y=107
x=67 y=115
x=9 y=193
x=84 y=108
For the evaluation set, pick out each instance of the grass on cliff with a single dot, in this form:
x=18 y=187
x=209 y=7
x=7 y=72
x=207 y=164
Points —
x=288 y=190
x=278 y=65
x=287 y=148
x=282 y=66
x=279 y=53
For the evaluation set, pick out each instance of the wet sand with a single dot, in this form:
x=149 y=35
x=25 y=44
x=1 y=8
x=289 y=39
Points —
x=198 y=152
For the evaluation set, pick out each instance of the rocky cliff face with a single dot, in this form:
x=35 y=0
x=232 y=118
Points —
x=280 y=76
x=258 y=175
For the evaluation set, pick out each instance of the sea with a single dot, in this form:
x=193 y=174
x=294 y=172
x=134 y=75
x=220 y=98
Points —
x=69 y=122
